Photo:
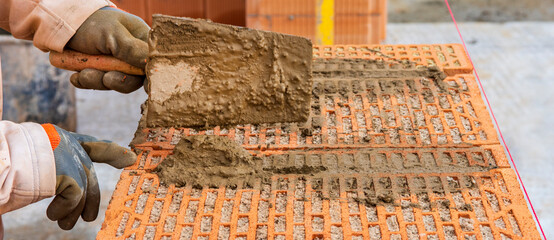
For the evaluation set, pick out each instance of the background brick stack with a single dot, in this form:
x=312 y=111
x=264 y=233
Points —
x=356 y=21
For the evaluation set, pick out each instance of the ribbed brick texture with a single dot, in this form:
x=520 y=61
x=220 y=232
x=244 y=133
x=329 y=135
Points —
x=222 y=11
x=356 y=21
x=407 y=157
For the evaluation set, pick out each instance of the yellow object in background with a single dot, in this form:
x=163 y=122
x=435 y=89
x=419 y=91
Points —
x=325 y=33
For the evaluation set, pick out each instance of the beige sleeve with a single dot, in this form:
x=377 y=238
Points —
x=27 y=165
x=1 y=96
x=49 y=23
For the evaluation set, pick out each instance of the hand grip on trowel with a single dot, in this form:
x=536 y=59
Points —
x=76 y=61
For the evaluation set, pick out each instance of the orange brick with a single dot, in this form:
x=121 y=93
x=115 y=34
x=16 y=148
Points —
x=494 y=208
x=231 y=12
x=451 y=58
x=281 y=7
x=358 y=7
x=356 y=21
x=384 y=19
x=179 y=8
x=300 y=25
x=136 y=7
x=453 y=118
x=352 y=29
x=295 y=25
x=451 y=190
x=487 y=156
x=260 y=23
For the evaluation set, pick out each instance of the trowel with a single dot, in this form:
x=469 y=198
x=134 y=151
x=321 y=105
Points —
x=203 y=74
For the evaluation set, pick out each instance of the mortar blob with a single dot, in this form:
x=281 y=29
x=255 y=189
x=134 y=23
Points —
x=215 y=161
x=207 y=160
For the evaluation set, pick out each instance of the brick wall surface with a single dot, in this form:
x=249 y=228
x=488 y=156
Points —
x=407 y=158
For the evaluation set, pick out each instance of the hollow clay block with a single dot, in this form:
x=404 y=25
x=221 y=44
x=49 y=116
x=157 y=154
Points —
x=207 y=74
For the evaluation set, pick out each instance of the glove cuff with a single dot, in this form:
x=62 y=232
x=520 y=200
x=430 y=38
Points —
x=53 y=135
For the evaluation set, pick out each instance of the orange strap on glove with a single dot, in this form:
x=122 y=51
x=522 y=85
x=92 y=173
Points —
x=77 y=192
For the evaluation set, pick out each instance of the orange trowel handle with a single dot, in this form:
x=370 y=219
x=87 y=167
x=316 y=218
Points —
x=76 y=61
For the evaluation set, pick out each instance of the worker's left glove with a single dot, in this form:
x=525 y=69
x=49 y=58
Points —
x=110 y=31
x=77 y=192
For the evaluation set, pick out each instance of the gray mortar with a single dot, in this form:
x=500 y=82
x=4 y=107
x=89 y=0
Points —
x=409 y=165
x=207 y=74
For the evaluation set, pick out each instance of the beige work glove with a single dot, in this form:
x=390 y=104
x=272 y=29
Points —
x=110 y=31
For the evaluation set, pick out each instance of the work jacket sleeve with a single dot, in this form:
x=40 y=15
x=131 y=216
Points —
x=49 y=23
x=27 y=166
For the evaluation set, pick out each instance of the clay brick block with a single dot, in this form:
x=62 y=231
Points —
x=356 y=113
x=357 y=7
x=300 y=26
x=136 y=7
x=258 y=22
x=451 y=58
x=281 y=7
x=231 y=12
x=349 y=29
x=181 y=8
x=449 y=205
x=356 y=21
x=304 y=26
x=203 y=73
x=357 y=29
x=460 y=187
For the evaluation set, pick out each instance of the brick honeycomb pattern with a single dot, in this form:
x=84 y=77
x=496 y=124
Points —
x=446 y=183
x=451 y=58
x=402 y=119
x=369 y=160
x=326 y=208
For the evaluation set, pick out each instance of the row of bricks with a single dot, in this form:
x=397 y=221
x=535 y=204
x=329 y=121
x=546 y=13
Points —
x=372 y=160
x=389 y=224
x=451 y=58
x=457 y=119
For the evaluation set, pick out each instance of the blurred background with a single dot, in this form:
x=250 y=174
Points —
x=509 y=41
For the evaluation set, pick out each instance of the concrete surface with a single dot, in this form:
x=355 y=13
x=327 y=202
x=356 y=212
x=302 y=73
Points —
x=514 y=60
x=409 y=11
x=33 y=89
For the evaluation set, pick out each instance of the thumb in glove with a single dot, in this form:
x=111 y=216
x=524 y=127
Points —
x=77 y=191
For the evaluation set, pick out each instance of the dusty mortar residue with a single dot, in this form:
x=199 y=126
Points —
x=219 y=161
x=345 y=69
x=207 y=74
x=208 y=160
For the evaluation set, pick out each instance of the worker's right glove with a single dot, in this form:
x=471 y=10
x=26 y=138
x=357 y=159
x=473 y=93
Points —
x=77 y=192
x=110 y=31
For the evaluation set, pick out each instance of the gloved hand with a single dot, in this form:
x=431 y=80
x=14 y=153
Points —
x=77 y=192
x=110 y=31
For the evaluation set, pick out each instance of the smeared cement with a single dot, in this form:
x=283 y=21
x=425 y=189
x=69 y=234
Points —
x=206 y=74
x=208 y=160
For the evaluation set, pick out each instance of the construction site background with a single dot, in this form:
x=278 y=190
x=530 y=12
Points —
x=406 y=11
x=398 y=10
